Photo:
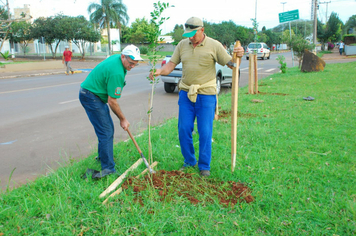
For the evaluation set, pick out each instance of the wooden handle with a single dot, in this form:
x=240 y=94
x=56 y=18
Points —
x=134 y=141
x=234 y=106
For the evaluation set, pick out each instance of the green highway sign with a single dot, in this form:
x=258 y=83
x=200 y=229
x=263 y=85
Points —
x=288 y=16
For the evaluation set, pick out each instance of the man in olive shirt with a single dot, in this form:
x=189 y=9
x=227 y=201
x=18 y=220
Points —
x=104 y=86
x=197 y=96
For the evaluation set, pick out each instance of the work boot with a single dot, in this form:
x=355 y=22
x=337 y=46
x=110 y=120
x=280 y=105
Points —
x=184 y=167
x=103 y=173
x=205 y=173
x=89 y=172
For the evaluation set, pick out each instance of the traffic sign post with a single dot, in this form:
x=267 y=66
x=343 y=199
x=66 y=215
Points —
x=288 y=16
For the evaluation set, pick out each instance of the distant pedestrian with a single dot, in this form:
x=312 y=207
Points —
x=341 y=47
x=67 y=57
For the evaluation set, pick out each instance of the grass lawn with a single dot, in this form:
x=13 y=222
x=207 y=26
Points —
x=298 y=158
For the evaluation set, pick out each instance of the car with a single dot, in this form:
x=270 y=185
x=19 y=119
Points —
x=262 y=50
x=223 y=76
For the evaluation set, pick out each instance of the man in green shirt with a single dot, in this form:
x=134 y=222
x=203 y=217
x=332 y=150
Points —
x=197 y=90
x=103 y=86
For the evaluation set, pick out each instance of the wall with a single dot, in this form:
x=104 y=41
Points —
x=350 y=50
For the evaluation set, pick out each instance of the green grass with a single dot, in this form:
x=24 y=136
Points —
x=297 y=156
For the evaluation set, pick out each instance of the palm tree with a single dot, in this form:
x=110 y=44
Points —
x=109 y=12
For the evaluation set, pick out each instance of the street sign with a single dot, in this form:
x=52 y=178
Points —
x=288 y=16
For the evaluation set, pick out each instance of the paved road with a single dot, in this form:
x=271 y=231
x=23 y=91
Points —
x=43 y=123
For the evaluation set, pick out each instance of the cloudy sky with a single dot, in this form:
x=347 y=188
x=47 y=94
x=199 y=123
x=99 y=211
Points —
x=239 y=11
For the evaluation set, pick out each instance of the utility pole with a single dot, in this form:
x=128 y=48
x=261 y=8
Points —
x=326 y=14
x=283 y=10
x=315 y=23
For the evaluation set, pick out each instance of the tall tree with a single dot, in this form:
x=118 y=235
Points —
x=178 y=33
x=80 y=32
x=53 y=29
x=20 y=33
x=109 y=12
x=350 y=24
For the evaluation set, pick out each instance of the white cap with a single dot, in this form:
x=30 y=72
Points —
x=133 y=52
x=66 y=47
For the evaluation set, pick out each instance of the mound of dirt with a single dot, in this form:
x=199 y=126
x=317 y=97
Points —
x=196 y=189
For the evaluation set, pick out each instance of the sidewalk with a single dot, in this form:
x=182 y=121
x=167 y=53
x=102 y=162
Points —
x=335 y=55
x=78 y=67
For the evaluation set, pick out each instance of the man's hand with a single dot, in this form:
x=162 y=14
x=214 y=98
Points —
x=239 y=51
x=124 y=124
x=156 y=73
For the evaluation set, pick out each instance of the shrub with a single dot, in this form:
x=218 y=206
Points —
x=283 y=64
x=143 y=50
x=330 y=46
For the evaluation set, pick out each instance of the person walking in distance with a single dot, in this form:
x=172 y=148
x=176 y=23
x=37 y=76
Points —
x=99 y=91
x=66 y=59
x=197 y=90
x=341 y=47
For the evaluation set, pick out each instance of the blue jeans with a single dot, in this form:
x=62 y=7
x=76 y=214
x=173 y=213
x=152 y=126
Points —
x=203 y=110
x=99 y=115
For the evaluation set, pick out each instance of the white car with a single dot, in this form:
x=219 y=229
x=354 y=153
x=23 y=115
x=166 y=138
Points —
x=223 y=76
x=262 y=50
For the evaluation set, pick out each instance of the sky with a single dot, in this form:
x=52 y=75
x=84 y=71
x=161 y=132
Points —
x=238 y=11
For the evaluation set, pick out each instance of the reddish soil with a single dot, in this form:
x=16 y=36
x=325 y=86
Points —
x=171 y=184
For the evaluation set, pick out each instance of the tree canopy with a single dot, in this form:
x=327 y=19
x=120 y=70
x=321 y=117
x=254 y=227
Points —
x=109 y=12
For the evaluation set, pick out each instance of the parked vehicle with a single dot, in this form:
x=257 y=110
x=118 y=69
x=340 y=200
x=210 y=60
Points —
x=262 y=50
x=223 y=76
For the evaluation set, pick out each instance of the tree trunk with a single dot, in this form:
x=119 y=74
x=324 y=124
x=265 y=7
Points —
x=109 y=39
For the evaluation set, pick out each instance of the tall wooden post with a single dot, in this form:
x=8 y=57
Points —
x=234 y=106
x=251 y=74
x=256 y=75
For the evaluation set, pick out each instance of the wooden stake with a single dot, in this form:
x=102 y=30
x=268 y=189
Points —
x=121 y=177
x=117 y=192
x=251 y=74
x=234 y=106
x=256 y=76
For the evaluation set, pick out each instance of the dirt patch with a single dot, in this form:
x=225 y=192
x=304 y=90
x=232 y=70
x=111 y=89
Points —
x=226 y=114
x=171 y=184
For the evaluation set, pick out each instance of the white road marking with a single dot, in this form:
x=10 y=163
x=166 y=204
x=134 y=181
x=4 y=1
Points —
x=29 y=89
x=246 y=68
x=75 y=100
x=269 y=70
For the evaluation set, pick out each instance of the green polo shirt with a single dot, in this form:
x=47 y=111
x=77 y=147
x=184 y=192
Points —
x=107 y=78
x=199 y=62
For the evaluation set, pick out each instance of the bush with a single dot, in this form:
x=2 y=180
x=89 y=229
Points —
x=143 y=50
x=330 y=46
x=283 y=64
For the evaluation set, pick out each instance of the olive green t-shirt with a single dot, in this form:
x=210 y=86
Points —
x=107 y=78
x=198 y=63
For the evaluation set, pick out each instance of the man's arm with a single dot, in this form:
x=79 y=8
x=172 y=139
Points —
x=114 y=105
x=165 y=70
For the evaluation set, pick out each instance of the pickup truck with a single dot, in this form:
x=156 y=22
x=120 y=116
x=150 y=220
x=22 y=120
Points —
x=223 y=76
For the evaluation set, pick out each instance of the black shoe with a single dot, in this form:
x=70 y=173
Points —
x=97 y=158
x=205 y=173
x=103 y=173
x=89 y=172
